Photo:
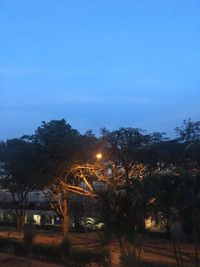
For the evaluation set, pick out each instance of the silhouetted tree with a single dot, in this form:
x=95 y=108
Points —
x=19 y=176
x=57 y=148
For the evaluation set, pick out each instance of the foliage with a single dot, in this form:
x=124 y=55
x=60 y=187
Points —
x=189 y=135
x=189 y=131
x=142 y=175
x=167 y=196
x=20 y=176
x=74 y=257
x=29 y=236
x=66 y=248
x=82 y=257
x=123 y=146
x=59 y=146
x=123 y=214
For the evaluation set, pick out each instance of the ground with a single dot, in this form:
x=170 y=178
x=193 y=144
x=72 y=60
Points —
x=154 y=250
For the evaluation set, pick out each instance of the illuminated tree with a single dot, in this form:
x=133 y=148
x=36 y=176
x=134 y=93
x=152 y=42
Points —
x=123 y=208
x=58 y=147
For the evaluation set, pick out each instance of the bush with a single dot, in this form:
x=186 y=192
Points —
x=8 y=223
x=4 y=242
x=56 y=253
x=48 y=252
x=13 y=246
x=65 y=248
x=53 y=228
x=144 y=264
x=43 y=251
x=151 y=264
x=82 y=257
x=20 y=248
x=29 y=236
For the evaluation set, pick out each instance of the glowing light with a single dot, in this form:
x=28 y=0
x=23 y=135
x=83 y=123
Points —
x=99 y=156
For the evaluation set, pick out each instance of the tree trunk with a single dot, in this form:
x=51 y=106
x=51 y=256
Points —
x=177 y=252
x=195 y=240
x=20 y=223
x=65 y=220
x=196 y=255
x=168 y=232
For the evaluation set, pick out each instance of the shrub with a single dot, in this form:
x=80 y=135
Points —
x=56 y=253
x=65 y=248
x=48 y=252
x=29 y=236
x=20 y=248
x=133 y=263
x=82 y=257
x=13 y=246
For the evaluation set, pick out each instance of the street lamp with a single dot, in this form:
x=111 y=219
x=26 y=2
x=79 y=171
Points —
x=98 y=156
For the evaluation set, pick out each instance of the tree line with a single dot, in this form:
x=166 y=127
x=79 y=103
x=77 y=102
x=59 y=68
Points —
x=145 y=175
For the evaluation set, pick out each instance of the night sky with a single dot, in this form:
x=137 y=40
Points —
x=99 y=63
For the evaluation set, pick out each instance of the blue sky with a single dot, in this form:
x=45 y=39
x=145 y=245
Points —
x=99 y=63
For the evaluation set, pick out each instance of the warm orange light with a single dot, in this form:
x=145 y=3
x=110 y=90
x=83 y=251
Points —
x=99 y=156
